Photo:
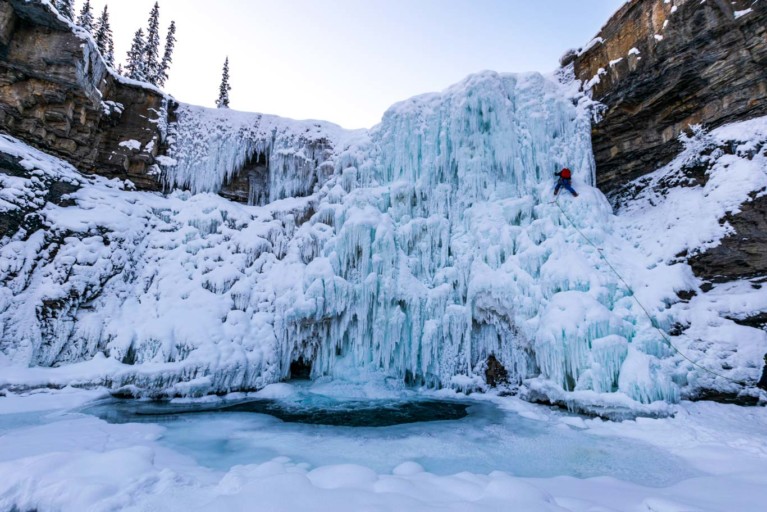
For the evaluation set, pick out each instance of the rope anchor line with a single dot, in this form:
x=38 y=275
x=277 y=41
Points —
x=653 y=322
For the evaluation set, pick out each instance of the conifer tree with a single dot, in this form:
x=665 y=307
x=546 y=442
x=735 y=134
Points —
x=85 y=19
x=66 y=8
x=167 y=58
x=111 y=52
x=135 y=67
x=152 y=46
x=224 y=88
x=104 y=39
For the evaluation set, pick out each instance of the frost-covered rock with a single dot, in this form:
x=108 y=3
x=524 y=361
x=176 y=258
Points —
x=274 y=157
x=704 y=208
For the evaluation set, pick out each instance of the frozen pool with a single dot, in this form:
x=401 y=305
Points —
x=445 y=436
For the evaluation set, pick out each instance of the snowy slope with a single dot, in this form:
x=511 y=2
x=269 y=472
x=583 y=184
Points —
x=681 y=209
x=419 y=248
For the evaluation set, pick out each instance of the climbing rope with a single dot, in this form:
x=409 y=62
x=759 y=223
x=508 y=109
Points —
x=653 y=322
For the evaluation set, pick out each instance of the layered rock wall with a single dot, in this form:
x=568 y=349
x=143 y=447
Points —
x=57 y=94
x=661 y=65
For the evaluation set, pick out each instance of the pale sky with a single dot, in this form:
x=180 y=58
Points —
x=347 y=61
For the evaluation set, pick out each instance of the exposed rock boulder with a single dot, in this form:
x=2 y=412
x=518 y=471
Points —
x=742 y=255
x=660 y=66
x=57 y=94
x=495 y=373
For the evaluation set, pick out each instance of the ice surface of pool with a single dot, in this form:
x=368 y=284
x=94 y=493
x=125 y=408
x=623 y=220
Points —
x=444 y=436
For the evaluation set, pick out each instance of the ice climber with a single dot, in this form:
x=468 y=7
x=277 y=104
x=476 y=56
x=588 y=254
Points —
x=565 y=177
x=763 y=381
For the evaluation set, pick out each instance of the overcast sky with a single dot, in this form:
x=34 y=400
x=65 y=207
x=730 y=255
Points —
x=347 y=61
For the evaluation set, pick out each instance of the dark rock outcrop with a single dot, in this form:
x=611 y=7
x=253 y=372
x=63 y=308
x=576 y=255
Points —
x=495 y=373
x=662 y=66
x=757 y=321
x=251 y=184
x=57 y=94
x=742 y=255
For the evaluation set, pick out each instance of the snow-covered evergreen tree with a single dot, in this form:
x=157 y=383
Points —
x=85 y=19
x=224 y=88
x=111 y=52
x=104 y=39
x=143 y=58
x=135 y=67
x=66 y=8
x=152 y=47
x=167 y=58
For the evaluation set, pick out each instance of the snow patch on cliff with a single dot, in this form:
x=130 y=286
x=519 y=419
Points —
x=679 y=211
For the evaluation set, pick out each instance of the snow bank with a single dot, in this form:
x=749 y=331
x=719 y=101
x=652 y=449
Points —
x=55 y=460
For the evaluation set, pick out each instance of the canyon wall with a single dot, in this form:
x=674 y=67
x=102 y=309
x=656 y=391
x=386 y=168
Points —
x=660 y=66
x=57 y=94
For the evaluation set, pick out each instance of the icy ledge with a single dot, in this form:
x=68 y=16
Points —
x=209 y=147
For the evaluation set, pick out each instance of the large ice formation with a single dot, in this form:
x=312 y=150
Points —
x=418 y=248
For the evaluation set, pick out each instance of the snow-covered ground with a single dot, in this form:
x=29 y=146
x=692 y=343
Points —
x=708 y=457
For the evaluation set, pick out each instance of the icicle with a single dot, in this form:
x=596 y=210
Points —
x=211 y=146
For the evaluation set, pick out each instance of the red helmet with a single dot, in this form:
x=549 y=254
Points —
x=566 y=173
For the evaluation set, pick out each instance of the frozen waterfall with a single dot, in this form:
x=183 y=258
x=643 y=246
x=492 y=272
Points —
x=419 y=249
x=460 y=255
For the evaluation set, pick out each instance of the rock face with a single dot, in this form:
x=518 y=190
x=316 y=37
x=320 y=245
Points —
x=251 y=184
x=742 y=255
x=659 y=66
x=57 y=94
